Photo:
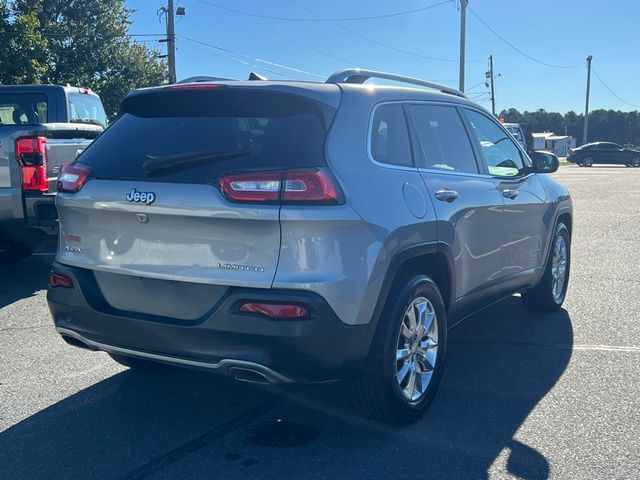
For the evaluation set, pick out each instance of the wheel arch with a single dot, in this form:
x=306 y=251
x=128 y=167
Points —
x=433 y=259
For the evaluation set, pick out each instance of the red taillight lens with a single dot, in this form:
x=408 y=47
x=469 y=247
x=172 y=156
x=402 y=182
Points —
x=293 y=186
x=31 y=153
x=274 y=310
x=309 y=186
x=59 y=280
x=72 y=178
x=194 y=86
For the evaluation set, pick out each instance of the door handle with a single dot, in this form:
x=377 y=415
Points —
x=446 y=195
x=510 y=193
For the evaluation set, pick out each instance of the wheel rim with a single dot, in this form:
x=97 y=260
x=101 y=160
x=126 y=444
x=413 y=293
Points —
x=636 y=162
x=588 y=161
x=417 y=349
x=559 y=268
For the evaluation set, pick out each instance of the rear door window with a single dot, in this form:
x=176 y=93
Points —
x=85 y=108
x=441 y=142
x=194 y=136
x=390 y=136
x=23 y=108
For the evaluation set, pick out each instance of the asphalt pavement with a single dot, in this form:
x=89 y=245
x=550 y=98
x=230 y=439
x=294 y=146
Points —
x=523 y=396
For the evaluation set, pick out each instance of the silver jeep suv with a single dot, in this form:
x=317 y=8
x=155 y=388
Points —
x=282 y=231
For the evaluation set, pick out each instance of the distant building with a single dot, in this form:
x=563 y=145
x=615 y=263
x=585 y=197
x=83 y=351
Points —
x=540 y=140
x=558 y=144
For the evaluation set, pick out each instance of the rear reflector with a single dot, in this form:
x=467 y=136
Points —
x=31 y=153
x=72 y=178
x=314 y=186
x=273 y=310
x=59 y=280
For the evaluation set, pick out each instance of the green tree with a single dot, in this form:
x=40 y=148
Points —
x=80 y=42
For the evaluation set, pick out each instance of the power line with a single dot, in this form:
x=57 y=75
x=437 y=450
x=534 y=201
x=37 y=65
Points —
x=232 y=57
x=611 y=91
x=379 y=43
x=306 y=45
x=524 y=54
x=343 y=19
x=483 y=82
x=259 y=60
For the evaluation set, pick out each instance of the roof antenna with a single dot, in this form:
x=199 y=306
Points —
x=256 y=76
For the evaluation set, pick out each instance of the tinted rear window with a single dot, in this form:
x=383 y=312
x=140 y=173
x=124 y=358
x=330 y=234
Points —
x=23 y=108
x=84 y=108
x=246 y=130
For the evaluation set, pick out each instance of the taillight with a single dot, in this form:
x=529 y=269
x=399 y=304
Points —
x=72 y=178
x=31 y=153
x=274 y=310
x=252 y=187
x=315 y=186
x=59 y=280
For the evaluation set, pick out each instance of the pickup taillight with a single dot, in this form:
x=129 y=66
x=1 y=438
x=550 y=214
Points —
x=31 y=154
x=305 y=186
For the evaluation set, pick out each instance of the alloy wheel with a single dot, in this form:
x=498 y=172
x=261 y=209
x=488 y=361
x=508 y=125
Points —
x=559 y=268
x=417 y=349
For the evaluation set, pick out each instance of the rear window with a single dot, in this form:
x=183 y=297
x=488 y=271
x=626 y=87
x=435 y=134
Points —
x=23 y=108
x=195 y=136
x=390 y=136
x=85 y=108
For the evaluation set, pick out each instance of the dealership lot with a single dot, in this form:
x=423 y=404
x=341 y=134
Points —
x=524 y=395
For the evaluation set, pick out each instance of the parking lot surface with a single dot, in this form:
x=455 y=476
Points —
x=523 y=396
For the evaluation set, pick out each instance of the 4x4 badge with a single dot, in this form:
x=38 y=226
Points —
x=141 y=197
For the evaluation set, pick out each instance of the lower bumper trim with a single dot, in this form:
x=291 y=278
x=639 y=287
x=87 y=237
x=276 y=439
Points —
x=226 y=366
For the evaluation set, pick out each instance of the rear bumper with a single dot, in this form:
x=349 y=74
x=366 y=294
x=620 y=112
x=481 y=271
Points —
x=224 y=340
x=40 y=210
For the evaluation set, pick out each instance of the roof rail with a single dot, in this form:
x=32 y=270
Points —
x=357 y=75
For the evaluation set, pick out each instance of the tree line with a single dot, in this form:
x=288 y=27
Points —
x=81 y=42
x=604 y=125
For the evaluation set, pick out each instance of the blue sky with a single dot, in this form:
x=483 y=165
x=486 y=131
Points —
x=560 y=33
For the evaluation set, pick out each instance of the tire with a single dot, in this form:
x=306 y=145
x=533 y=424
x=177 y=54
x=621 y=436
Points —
x=139 y=364
x=635 y=162
x=379 y=393
x=17 y=245
x=587 y=162
x=547 y=296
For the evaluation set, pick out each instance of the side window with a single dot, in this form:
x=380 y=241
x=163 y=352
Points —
x=442 y=141
x=499 y=149
x=389 y=136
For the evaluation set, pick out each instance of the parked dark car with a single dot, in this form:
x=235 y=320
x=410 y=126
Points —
x=604 y=152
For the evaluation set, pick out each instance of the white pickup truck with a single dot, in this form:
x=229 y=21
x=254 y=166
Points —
x=42 y=127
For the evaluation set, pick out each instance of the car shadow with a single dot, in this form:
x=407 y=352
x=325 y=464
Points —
x=24 y=279
x=182 y=424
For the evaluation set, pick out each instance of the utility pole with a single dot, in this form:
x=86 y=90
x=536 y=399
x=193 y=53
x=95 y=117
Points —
x=586 y=105
x=463 y=23
x=171 y=42
x=493 y=92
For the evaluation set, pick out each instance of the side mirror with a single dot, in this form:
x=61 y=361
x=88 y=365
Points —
x=544 y=162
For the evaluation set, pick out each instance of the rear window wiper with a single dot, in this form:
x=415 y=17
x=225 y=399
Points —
x=189 y=159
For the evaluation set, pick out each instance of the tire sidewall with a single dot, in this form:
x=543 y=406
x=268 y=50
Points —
x=419 y=286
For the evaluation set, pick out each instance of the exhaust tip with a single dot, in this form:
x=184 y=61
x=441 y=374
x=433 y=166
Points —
x=247 y=375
